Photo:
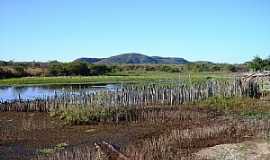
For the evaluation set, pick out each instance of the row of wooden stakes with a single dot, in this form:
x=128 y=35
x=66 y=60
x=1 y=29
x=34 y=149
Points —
x=138 y=96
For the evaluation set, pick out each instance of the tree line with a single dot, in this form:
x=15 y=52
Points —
x=78 y=68
x=53 y=68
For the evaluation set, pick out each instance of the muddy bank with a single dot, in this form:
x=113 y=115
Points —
x=182 y=130
x=23 y=135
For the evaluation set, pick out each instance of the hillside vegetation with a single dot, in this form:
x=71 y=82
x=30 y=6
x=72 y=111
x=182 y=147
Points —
x=134 y=58
x=125 y=64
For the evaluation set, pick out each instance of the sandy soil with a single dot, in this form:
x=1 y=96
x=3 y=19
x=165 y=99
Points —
x=248 y=150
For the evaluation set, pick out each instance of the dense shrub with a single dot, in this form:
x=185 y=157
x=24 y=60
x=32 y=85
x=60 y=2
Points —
x=19 y=71
x=56 y=69
x=167 y=68
x=77 y=68
x=259 y=64
x=99 y=69
x=16 y=71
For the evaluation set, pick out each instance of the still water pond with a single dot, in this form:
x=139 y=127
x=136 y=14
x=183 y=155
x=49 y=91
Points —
x=31 y=92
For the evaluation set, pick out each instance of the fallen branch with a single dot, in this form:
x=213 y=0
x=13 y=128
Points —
x=108 y=151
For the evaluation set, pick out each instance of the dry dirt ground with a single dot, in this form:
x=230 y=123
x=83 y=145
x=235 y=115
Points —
x=248 y=150
x=23 y=135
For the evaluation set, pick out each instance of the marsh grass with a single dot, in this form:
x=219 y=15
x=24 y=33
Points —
x=213 y=121
x=131 y=102
x=116 y=78
x=181 y=144
x=218 y=117
x=50 y=151
x=243 y=106
x=91 y=115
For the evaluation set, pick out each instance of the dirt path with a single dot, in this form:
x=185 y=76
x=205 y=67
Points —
x=248 y=150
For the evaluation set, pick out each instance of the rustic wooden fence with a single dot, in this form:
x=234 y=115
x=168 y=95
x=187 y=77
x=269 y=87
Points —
x=149 y=94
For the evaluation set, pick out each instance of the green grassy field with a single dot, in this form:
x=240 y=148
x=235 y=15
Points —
x=123 y=77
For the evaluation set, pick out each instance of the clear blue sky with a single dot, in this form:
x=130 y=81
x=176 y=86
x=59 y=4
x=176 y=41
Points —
x=215 y=30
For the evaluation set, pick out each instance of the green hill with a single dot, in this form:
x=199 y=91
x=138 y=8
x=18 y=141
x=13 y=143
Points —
x=135 y=58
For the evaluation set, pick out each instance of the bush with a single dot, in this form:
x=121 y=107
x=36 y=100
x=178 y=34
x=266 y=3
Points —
x=167 y=68
x=56 y=69
x=19 y=71
x=259 y=64
x=77 y=68
x=99 y=69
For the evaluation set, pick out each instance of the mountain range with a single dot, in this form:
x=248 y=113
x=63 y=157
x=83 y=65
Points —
x=134 y=58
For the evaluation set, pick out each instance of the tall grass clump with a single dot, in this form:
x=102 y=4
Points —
x=88 y=115
x=182 y=143
x=244 y=106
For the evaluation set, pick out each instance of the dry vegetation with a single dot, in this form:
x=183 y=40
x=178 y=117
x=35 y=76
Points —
x=164 y=125
x=180 y=133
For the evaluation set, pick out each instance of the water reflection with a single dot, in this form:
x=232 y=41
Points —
x=32 y=92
